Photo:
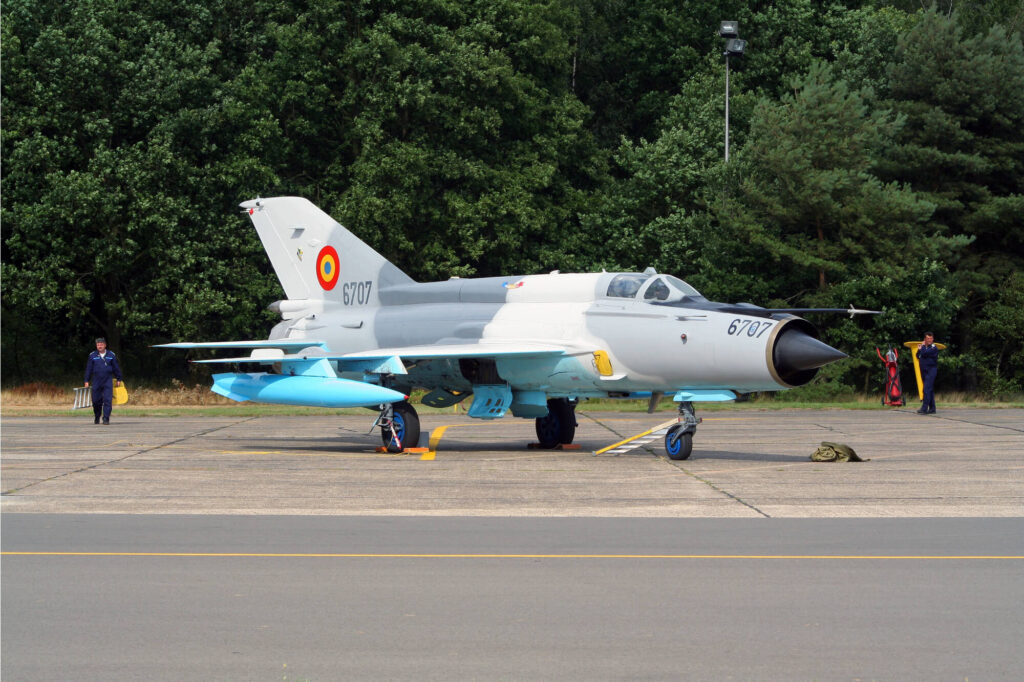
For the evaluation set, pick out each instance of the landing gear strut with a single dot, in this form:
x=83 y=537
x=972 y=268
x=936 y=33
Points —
x=559 y=426
x=679 y=439
x=399 y=426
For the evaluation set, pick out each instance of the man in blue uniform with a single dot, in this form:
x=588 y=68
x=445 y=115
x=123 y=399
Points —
x=102 y=373
x=928 y=358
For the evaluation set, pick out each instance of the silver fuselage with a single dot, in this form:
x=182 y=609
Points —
x=651 y=346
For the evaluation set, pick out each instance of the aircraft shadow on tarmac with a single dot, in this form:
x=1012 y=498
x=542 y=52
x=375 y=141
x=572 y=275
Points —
x=367 y=446
x=748 y=456
x=357 y=444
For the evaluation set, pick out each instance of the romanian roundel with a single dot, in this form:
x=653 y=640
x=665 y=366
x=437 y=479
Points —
x=327 y=267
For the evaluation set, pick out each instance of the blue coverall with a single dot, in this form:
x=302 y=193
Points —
x=100 y=372
x=928 y=357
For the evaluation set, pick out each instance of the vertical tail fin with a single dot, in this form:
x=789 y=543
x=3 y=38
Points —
x=315 y=257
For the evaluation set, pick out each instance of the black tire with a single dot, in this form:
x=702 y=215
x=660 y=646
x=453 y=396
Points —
x=407 y=427
x=678 y=446
x=559 y=426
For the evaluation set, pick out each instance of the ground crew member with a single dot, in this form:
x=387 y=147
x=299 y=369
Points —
x=103 y=373
x=928 y=358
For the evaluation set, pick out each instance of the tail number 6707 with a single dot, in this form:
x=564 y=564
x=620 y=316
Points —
x=752 y=328
x=356 y=293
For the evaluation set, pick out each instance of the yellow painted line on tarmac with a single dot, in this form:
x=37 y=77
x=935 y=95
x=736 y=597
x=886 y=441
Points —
x=435 y=439
x=360 y=555
x=633 y=438
x=436 y=435
x=651 y=430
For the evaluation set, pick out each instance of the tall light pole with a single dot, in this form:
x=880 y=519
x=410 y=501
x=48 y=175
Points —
x=730 y=30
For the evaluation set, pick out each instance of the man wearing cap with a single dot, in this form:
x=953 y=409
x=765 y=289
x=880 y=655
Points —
x=102 y=373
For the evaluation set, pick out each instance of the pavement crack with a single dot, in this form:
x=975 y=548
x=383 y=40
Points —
x=682 y=469
x=599 y=423
x=117 y=460
x=718 y=489
x=618 y=435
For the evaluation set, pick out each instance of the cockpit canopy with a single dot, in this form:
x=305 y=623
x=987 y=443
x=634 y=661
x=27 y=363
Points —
x=655 y=288
x=626 y=286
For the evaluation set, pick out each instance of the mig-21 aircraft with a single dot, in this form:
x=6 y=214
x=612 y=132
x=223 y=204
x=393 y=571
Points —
x=358 y=332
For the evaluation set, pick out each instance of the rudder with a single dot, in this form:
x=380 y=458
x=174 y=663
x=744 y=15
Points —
x=315 y=257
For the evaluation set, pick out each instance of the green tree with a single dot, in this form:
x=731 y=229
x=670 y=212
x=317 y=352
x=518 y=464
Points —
x=963 y=149
x=974 y=16
x=804 y=195
x=445 y=133
x=466 y=152
x=656 y=213
x=863 y=42
x=121 y=168
x=631 y=58
x=998 y=353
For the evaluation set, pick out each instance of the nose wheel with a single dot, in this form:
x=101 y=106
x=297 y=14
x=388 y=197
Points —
x=679 y=439
x=678 y=443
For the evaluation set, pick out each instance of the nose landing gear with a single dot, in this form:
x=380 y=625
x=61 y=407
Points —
x=679 y=439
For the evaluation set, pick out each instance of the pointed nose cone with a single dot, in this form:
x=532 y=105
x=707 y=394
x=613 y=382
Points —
x=797 y=351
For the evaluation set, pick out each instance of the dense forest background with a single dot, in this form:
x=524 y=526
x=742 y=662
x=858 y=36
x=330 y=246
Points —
x=877 y=159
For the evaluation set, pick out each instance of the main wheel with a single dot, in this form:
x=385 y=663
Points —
x=559 y=426
x=678 y=445
x=406 y=426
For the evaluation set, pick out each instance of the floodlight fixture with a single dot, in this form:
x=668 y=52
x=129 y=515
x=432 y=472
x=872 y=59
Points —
x=734 y=47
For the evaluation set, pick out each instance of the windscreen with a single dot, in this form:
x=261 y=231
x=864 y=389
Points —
x=626 y=286
x=668 y=288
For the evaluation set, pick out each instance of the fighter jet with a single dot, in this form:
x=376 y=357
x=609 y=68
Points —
x=356 y=331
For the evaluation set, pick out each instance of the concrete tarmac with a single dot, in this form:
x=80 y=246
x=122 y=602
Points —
x=287 y=548
x=156 y=597
x=746 y=463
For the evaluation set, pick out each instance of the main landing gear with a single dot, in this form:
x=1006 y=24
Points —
x=679 y=439
x=559 y=426
x=399 y=426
